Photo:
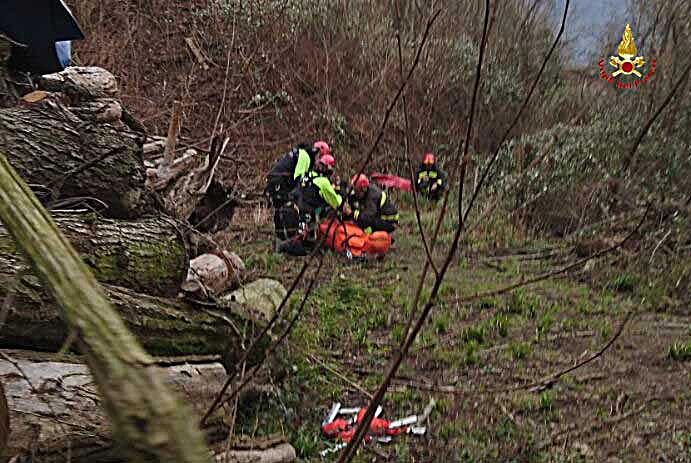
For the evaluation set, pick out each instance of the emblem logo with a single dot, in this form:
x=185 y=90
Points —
x=627 y=63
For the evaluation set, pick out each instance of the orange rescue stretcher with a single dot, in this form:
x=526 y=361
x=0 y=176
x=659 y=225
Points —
x=347 y=238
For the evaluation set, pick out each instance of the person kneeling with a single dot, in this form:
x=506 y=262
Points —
x=370 y=207
x=431 y=180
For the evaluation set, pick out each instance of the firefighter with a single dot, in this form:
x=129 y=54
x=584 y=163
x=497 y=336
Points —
x=431 y=180
x=315 y=195
x=286 y=173
x=310 y=201
x=370 y=208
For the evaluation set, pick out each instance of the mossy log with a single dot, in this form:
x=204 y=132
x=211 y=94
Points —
x=163 y=326
x=147 y=255
x=64 y=415
x=61 y=155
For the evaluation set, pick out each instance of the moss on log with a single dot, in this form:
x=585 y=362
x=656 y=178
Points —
x=54 y=150
x=165 y=327
x=147 y=255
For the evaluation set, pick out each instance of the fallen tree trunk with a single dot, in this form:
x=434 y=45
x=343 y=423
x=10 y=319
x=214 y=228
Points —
x=62 y=156
x=147 y=255
x=59 y=416
x=165 y=327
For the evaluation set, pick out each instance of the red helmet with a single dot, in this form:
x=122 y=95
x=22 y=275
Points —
x=360 y=182
x=323 y=148
x=327 y=160
x=428 y=159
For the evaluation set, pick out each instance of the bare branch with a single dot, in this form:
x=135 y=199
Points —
x=406 y=140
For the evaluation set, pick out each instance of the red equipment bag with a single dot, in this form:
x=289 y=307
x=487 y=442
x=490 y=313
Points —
x=377 y=243
x=343 y=236
x=391 y=181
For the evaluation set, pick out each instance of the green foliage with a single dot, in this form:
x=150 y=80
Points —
x=546 y=400
x=306 y=442
x=623 y=283
x=520 y=350
x=680 y=351
x=521 y=303
x=441 y=323
x=474 y=334
x=471 y=353
x=336 y=123
x=684 y=440
x=500 y=323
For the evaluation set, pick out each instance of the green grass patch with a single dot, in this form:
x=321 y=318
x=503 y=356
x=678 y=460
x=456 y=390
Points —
x=680 y=351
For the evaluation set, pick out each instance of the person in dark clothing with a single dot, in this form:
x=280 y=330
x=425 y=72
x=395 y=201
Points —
x=286 y=173
x=431 y=181
x=370 y=208
x=310 y=200
x=315 y=195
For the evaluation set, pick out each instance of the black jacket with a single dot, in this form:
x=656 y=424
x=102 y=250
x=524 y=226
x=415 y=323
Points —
x=280 y=180
x=375 y=211
x=427 y=177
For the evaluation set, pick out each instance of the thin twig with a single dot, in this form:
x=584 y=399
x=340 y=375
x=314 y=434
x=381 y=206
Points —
x=545 y=276
x=87 y=165
x=255 y=341
x=406 y=142
x=172 y=138
x=233 y=417
x=402 y=87
x=536 y=386
x=223 y=98
x=321 y=362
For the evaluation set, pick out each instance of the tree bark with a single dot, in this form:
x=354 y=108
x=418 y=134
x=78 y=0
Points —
x=58 y=153
x=148 y=421
x=60 y=413
x=147 y=255
x=4 y=420
x=165 y=327
x=281 y=453
x=8 y=95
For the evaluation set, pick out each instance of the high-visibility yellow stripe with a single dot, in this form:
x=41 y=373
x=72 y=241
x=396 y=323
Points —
x=383 y=198
x=303 y=164
x=390 y=217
